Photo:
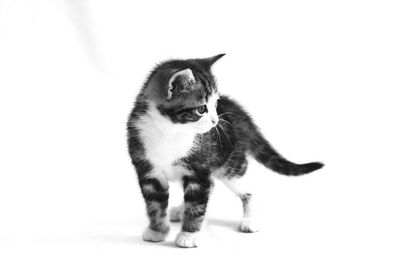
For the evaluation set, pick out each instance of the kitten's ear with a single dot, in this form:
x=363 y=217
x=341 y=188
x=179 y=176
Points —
x=179 y=78
x=211 y=60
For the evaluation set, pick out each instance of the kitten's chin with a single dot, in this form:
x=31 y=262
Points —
x=202 y=130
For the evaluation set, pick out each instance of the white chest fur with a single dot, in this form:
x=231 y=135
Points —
x=164 y=143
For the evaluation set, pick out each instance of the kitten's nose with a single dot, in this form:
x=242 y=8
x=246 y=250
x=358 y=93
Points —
x=214 y=121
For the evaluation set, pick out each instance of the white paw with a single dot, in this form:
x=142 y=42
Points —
x=176 y=214
x=153 y=236
x=186 y=240
x=248 y=226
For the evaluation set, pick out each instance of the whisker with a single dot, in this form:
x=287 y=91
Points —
x=223 y=130
x=223 y=120
x=219 y=137
x=227 y=112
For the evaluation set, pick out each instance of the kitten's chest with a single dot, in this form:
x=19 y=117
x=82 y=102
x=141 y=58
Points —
x=164 y=149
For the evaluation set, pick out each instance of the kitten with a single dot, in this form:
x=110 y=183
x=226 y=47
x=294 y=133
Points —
x=181 y=129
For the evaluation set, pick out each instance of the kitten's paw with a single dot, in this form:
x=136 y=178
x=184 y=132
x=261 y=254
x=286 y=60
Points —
x=248 y=226
x=186 y=240
x=176 y=214
x=154 y=236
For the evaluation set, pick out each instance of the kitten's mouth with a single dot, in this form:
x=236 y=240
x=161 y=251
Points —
x=214 y=123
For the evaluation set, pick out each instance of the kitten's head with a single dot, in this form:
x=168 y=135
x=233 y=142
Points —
x=185 y=93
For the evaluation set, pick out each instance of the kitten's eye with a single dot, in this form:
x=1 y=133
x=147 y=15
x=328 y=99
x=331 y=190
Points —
x=201 y=109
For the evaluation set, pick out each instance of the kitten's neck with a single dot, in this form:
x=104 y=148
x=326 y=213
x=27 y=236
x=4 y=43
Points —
x=164 y=141
x=163 y=126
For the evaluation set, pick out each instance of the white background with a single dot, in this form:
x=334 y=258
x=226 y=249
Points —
x=321 y=79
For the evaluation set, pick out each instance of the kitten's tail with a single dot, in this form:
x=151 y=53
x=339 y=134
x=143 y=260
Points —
x=270 y=158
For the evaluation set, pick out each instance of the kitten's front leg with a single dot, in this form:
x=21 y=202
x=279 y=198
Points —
x=197 y=190
x=156 y=198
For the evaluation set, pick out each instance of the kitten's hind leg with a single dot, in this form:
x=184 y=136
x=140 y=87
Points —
x=247 y=224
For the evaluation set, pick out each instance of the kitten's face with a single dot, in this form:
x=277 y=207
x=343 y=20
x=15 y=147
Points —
x=194 y=112
x=185 y=94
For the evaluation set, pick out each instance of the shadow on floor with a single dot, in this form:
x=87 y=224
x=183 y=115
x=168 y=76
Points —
x=222 y=222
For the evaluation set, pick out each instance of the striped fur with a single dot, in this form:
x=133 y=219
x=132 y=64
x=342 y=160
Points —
x=182 y=129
